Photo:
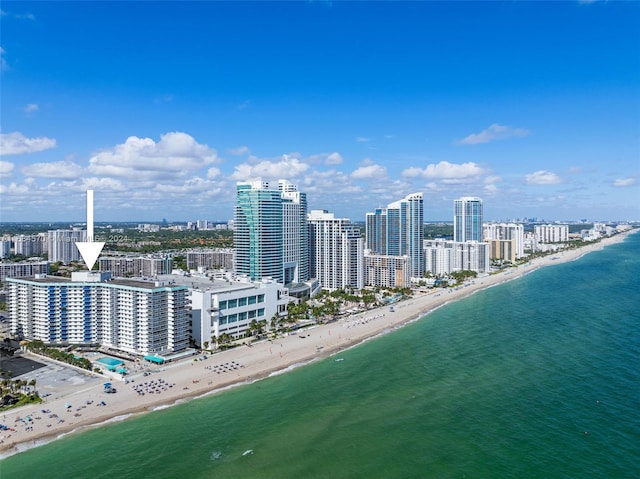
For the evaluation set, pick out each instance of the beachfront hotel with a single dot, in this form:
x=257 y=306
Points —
x=271 y=238
x=337 y=251
x=398 y=230
x=467 y=219
x=229 y=306
x=134 y=316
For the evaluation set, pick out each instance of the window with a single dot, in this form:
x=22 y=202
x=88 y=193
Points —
x=233 y=318
x=242 y=316
x=233 y=303
x=223 y=320
x=261 y=312
x=242 y=301
x=223 y=305
x=261 y=298
x=252 y=300
x=252 y=314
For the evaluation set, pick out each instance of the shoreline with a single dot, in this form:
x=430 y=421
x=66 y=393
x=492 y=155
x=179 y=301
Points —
x=77 y=407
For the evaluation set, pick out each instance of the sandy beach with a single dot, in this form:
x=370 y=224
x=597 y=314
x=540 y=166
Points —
x=82 y=402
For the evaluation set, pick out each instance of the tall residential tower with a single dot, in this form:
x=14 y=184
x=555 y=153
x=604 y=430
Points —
x=467 y=219
x=271 y=238
x=398 y=230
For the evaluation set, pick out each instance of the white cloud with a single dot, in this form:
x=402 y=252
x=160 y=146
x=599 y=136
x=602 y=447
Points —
x=286 y=167
x=30 y=108
x=494 y=132
x=175 y=154
x=624 y=182
x=492 y=179
x=445 y=170
x=213 y=173
x=17 y=144
x=58 y=169
x=362 y=139
x=369 y=171
x=3 y=61
x=25 y=16
x=6 y=167
x=542 y=177
x=241 y=150
x=334 y=159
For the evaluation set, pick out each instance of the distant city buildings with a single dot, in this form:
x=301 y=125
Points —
x=61 y=245
x=398 y=230
x=148 y=228
x=337 y=251
x=221 y=258
x=138 y=317
x=31 y=245
x=467 y=219
x=22 y=269
x=5 y=248
x=136 y=266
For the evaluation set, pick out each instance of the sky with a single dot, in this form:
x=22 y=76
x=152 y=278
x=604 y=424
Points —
x=162 y=107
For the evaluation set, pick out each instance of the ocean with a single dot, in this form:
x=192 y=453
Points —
x=535 y=378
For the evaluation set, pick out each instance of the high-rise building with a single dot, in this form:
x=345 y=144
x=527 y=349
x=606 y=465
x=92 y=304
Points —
x=551 y=233
x=505 y=232
x=5 y=248
x=443 y=256
x=22 y=269
x=295 y=235
x=136 y=266
x=138 y=317
x=271 y=237
x=337 y=251
x=62 y=245
x=467 y=219
x=28 y=245
x=398 y=230
x=220 y=258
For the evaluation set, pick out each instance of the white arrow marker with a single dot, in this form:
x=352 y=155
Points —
x=89 y=250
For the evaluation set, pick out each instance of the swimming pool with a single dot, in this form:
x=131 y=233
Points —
x=110 y=361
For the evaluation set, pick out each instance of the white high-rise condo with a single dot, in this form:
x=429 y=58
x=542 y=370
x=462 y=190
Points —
x=271 y=238
x=62 y=245
x=139 y=317
x=337 y=251
x=398 y=230
x=467 y=219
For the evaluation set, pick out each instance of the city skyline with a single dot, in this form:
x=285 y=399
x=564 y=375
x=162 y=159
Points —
x=161 y=108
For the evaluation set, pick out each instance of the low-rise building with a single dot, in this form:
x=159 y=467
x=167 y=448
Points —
x=229 y=306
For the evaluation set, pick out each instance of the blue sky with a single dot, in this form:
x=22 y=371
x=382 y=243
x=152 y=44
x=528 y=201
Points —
x=162 y=107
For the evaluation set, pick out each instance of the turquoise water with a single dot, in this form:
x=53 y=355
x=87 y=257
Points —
x=503 y=384
x=110 y=361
